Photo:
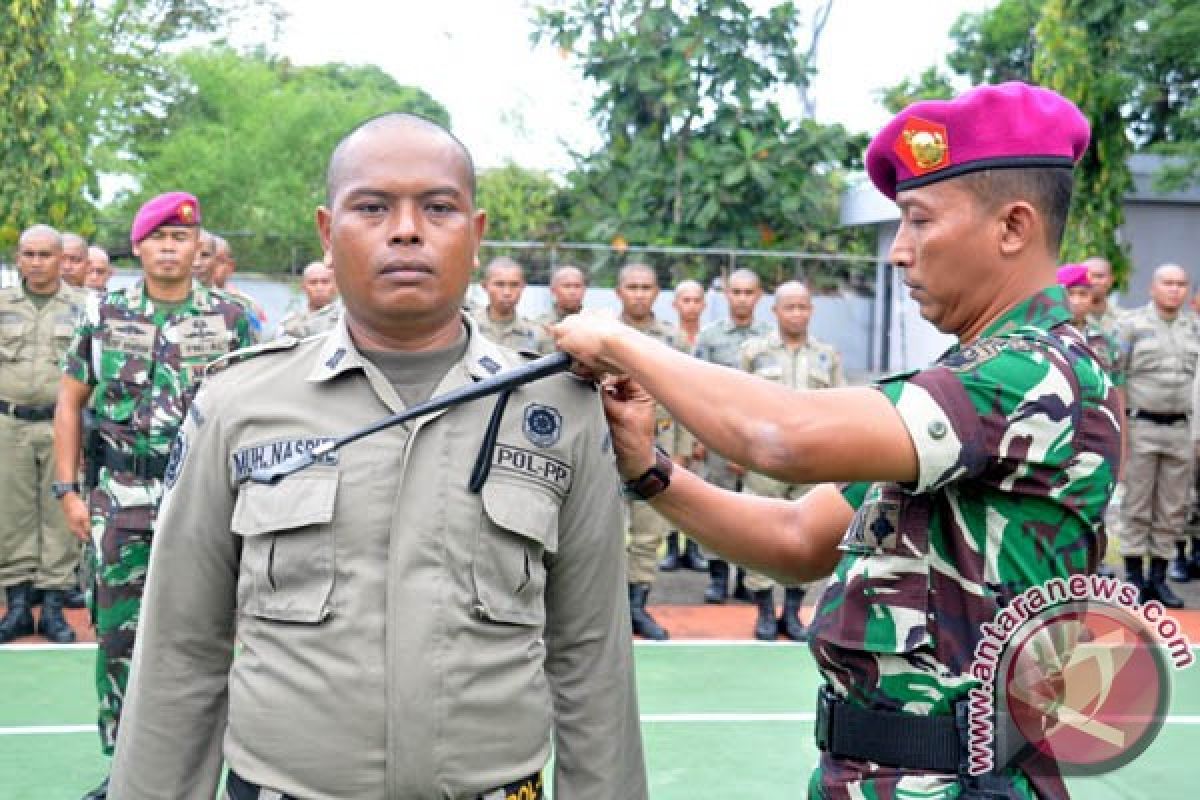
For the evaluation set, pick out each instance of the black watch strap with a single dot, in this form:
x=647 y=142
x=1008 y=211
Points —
x=654 y=480
x=61 y=490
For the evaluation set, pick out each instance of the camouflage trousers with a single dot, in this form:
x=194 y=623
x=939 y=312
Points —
x=832 y=781
x=122 y=553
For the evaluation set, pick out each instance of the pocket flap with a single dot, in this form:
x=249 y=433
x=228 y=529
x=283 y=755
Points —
x=305 y=498
x=525 y=510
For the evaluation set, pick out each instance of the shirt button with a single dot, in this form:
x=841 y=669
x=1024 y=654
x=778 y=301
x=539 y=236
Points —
x=937 y=429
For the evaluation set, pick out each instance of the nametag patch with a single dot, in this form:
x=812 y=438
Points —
x=246 y=460
x=130 y=337
x=530 y=464
x=203 y=337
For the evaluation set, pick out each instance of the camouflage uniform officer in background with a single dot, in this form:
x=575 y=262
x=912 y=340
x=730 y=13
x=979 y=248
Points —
x=720 y=343
x=504 y=282
x=37 y=550
x=792 y=357
x=135 y=363
x=321 y=308
x=961 y=485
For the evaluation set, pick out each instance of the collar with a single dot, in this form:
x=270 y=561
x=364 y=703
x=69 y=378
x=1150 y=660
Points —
x=1042 y=311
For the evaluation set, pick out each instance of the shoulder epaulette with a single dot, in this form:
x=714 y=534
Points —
x=278 y=344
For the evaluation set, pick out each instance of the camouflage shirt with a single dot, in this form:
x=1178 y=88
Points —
x=1018 y=446
x=516 y=334
x=145 y=362
x=1110 y=321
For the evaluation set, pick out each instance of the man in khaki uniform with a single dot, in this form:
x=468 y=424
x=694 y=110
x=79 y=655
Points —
x=568 y=285
x=1105 y=314
x=688 y=303
x=1159 y=346
x=791 y=357
x=637 y=289
x=99 y=270
x=402 y=635
x=504 y=281
x=37 y=550
x=74 y=259
x=720 y=343
x=321 y=310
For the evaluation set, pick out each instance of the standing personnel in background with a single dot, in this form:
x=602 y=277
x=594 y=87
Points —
x=568 y=285
x=223 y=267
x=688 y=303
x=504 y=281
x=135 y=362
x=791 y=357
x=1159 y=348
x=1104 y=313
x=405 y=629
x=74 y=259
x=321 y=307
x=99 y=270
x=961 y=486
x=720 y=343
x=37 y=550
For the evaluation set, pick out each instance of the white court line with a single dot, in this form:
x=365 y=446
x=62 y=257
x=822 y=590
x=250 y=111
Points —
x=800 y=716
x=44 y=646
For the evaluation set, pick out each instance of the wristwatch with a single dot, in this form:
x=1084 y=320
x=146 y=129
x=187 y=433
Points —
x=654 y=480
x=61 y=490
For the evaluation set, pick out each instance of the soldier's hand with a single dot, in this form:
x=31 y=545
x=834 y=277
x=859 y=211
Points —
x=79 y=521
x=736 y=469
x=630 y=412
x=586 y=337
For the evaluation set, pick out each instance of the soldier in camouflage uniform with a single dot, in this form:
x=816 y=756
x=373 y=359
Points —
x=1104 y=313
x=136 y=360
x=504 y=280
x=720 y=343
x=637 y=289
x=322 y=308
x=791 y=357
x=963 y=484
x=568 y=285
x=37 y=551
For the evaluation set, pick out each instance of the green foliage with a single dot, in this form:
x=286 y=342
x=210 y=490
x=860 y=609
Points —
x=931 y=85
x=696 y=151
x=41 y=147
x=1079 y=55
x=249 y=134
x=996 y=45
x=521 y=204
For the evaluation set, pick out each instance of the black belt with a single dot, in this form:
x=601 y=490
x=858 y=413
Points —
x=143 y=467
x=909 y=741
x=28 y=413
x=238 y=788
x=1156 y=417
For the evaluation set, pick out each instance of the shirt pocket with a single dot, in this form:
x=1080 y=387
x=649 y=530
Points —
x=519 y=527
x=287 y=566
x=13 y=330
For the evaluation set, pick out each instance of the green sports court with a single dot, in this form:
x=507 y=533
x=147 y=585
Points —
x=721 y=719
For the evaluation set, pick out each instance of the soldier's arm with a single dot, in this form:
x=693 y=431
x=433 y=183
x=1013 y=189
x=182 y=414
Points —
x=169 y=744
x=589 y=657
x=73 y=396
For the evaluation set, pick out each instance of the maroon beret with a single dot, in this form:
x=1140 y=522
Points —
x=989 y=127
x=172 y=208
x=1073 y=275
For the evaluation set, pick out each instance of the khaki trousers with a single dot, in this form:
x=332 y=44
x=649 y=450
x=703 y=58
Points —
x=35 y=544
x=765 y=487
x=647 y=529
x=1158 y=484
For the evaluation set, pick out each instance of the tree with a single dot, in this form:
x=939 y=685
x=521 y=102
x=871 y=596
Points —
x=250 y=134
x=696 y=150
x=41 y=152
x=521 y=204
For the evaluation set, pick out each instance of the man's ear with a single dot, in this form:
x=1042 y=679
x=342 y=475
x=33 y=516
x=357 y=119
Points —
x=324 y=217
x=1020 y=228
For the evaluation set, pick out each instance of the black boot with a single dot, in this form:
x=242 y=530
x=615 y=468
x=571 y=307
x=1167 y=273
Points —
x=691 y=558
x=740 y=592
x=52 y=624
x=718 y=581
x=1194 y=563
x=789 y=622
x=1134 y=575
x=1179 y=571
x=643 y=623
x=670 y=561
x=1157 y=587
x=99 y=793
x=765 y=627
x=18 y=619
x=75 y=598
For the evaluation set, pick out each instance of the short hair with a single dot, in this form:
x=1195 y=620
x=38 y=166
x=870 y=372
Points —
x=41 y=229
x=792 y=286
x=560 y=271
x=502 y=262
x=1047 y=189
x=688 y=283
x=636 y=266
x=313 y=267
x=74 y=238
x=333 y=174
x=744 y=272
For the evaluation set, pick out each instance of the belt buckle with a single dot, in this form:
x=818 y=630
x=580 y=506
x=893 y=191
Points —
x=823 y=725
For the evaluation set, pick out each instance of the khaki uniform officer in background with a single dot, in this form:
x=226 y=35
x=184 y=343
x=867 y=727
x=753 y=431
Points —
x=791 y=357
x=321 y=308
x=401 y=636
x=504 y=282
x=568 y=286
x=37 y=550
x=1159 y=346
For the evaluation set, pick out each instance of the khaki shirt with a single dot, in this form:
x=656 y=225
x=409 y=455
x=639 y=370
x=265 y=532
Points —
x=517 y=333
x=1158 y=359
x=665 y=429
x=813 y=365
x=720 y=343
x=310 y=323
x=400 y=636
x=32 y=342
x=545 y=342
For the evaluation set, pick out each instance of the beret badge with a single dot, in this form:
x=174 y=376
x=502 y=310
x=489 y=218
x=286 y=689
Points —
x=923 y=146
x=187 y=213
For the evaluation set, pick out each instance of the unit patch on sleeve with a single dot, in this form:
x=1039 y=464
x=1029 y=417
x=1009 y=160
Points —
x=543 y=424
x=529 y=464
